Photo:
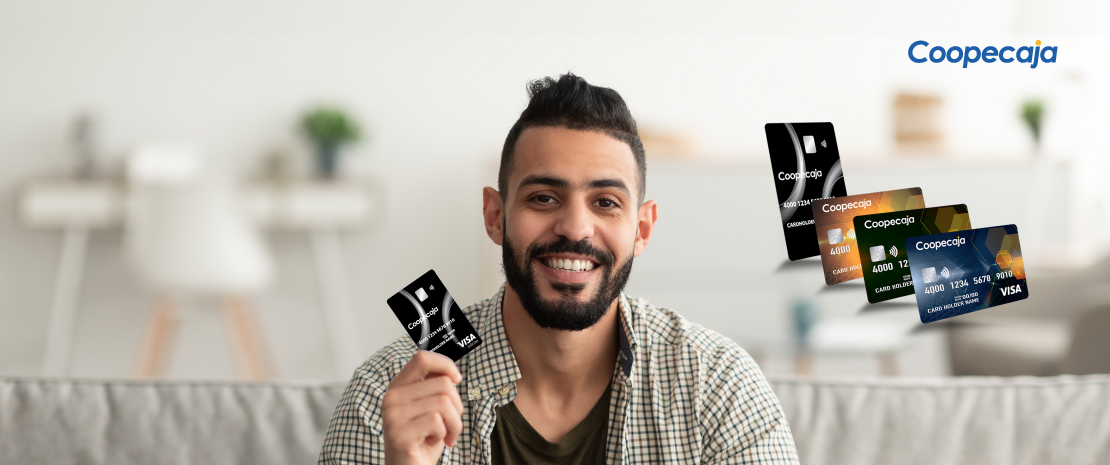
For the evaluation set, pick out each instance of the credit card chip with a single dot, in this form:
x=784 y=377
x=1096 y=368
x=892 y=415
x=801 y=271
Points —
x=929 y=275
x=878 y=253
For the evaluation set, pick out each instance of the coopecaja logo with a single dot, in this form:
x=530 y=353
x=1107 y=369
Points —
x=920 y=52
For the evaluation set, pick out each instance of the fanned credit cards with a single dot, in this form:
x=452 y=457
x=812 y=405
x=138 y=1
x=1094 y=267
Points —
x=433 y=319
x=961 y=272
x=805 y=164
x=880 y=239
x=836 y=233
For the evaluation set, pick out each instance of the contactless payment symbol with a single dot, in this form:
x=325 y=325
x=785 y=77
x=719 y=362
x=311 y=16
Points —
x=835 y=236
x=878 y=254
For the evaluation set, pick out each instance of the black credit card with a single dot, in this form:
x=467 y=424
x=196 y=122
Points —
x=433 y=319
x=805 y=163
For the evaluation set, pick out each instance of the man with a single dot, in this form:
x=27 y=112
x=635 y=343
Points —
x=570 y=370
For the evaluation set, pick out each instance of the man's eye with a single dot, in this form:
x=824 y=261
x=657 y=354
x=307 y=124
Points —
x=606 y=203
x=544 y=198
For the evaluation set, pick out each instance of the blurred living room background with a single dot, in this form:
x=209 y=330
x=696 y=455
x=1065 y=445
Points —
x=165 y=214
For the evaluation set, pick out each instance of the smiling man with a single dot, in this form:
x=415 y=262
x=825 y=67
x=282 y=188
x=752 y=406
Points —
x=570 y=370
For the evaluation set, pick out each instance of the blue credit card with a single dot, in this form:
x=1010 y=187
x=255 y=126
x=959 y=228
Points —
x=960 y=272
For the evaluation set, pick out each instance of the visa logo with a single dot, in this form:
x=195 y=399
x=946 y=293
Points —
x=467 y=340
x=1011 y=290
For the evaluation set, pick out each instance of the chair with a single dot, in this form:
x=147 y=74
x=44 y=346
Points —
x=186 y=238
x=1090 y=347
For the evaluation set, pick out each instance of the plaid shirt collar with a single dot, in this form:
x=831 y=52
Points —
x=492 y=368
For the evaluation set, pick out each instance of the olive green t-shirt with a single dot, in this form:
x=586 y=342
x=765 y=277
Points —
x=514 y=441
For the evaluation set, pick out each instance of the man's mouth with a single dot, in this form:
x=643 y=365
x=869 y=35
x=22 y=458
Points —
x=569 y=264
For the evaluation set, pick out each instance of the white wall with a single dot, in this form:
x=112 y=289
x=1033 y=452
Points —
x=437 y=85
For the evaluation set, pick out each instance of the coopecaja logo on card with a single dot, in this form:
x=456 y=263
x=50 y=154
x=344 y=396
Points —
x=920 y=52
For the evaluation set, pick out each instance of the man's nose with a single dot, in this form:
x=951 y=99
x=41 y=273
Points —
x=575 y=222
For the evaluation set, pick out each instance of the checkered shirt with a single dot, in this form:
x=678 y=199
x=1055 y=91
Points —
x=681 y=393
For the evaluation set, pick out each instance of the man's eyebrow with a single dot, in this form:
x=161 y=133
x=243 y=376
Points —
x=564 y=184
x=544 y=180
x=614 y=183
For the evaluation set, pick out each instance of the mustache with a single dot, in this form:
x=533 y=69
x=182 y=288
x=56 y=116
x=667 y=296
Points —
x=564 y=245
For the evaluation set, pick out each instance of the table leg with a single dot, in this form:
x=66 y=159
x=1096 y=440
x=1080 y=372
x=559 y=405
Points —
x=67 y=286
x=156 y=340
x=803 y=364
x=338 y=311
x=248 y=348
x=888 y=363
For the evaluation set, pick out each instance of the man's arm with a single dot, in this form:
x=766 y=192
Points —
x=396 y=414
x=354 y=434
x=742 y=419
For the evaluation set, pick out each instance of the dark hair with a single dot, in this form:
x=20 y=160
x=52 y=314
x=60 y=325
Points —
x=573 y=103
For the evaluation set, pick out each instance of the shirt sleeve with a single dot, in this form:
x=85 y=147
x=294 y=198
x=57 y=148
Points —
x=742 y=419
x=354 y=434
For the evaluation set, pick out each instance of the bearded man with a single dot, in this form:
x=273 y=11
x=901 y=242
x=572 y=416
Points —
x=570 y=369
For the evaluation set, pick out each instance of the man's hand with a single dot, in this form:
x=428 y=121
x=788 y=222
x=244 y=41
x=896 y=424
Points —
x=421 y=410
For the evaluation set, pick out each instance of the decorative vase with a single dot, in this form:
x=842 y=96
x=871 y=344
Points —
x=327 y=160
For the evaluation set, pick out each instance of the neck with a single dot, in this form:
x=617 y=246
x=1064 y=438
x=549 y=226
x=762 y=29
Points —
x=561 y=364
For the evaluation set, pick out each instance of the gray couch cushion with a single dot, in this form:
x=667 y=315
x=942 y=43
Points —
x=1059 y=420
x=980 y=420
x=92 y=422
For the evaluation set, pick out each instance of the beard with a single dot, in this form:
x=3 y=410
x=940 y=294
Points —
x=567 y=313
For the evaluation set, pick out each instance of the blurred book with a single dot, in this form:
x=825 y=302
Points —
x=918 y=123
x=665 y=144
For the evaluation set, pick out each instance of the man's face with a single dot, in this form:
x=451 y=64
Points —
x=571 y=222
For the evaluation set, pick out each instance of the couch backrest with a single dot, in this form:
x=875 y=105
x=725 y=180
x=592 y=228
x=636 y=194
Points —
x=126 y=422
x=1058 y=420
x=972 y=420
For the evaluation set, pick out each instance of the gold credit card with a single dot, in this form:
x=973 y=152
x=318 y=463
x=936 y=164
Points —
x=836 y=234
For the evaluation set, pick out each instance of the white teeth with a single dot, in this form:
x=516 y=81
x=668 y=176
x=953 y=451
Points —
x=570 y=265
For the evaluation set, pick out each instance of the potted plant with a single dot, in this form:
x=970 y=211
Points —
x=329 y=128
x=1032 y=114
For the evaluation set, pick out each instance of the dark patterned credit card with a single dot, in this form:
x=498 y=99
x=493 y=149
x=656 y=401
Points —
x=433 y=319
x=880 y=239
x=805 y=163
x=961 y=272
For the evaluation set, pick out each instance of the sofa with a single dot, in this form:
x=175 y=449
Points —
x=1060 y=329
x=859 y=421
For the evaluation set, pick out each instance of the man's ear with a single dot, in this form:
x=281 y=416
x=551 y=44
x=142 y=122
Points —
x=645 y=225
x=492 y=209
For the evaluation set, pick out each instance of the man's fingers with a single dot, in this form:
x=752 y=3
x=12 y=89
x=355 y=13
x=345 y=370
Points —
x=447 y=428
x=431 y=427
x=425 y=364
x=427 y=428
x=442 y=405
x=404 y=413
x=434 y=386
x=454 y=425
